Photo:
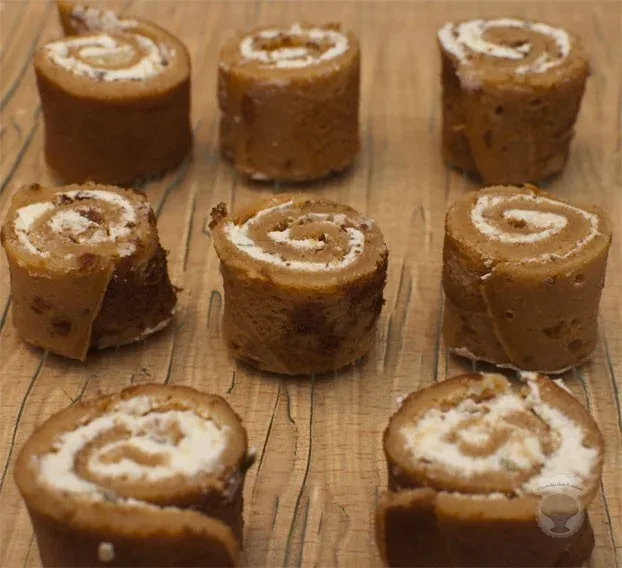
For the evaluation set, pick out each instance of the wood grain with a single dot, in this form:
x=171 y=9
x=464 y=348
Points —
x=310 y=498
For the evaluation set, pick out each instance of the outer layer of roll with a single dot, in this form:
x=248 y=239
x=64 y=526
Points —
x=87 y=269
x=115 y=99
x=303 y=279
x=511 y=94
x=289 y=102
x=523 y=274
x=77 y=19
x=477 y=470
x=152 y=476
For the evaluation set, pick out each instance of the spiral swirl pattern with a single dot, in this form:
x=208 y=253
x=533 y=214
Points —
x=110 y=56
x=150 y=476
x=472 y=462
x=523 y=273
x=134 y=440
x=469 y=39
x=526 y=219
x=287 y=237
x=512 y=439
x=74 y=221
x=295 y=47
x=86 y=18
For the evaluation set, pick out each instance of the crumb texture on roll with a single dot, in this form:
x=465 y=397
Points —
x=478 y=467
x=289 y=100
x=151 y=476
x=76 y=18
x=303 y=280
x=523 y=274
x=511 y=95
x=115 y=96
x=87 y=268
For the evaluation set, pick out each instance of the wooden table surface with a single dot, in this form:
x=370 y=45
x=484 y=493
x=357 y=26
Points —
x=310 y=497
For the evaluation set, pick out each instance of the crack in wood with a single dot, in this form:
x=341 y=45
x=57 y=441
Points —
x=289 y=406
x=402 y=303
x=232 y=192
x=85 y=384
x=343 y=510
x=305 y=523
x=20 y=413
x=578 y=374
x=214 y=297
x=339 y=539
x=186 y=246
x=17 y=127
x=22 y=151
x=189 y=236
x=180 y=174
x=276 y=510
x=27 y=63
x=29 y=550
x=5 y=313
x=169 y=368
x=175 y=183
x=232 y=385
x=439 y=334
x=290 y=534
x=265 y=442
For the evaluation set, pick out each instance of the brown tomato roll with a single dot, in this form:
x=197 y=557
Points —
x=87 y=268
x=486 y=473
x=115 y=99
x=151 y=476
x=303 y=280
x=523 y=274
x=511 y=95
x=289 y=101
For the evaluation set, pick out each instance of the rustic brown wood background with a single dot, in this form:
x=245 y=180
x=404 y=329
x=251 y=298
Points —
x=310 y=497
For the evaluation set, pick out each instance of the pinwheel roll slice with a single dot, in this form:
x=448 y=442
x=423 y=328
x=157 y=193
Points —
x=303 y=280
x=87 y=269
x=151 y=476
x=289 y=101
x=115 y=99
x=511 y=94
x=481 y=471
x=523 y=274
x=76 y=18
